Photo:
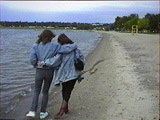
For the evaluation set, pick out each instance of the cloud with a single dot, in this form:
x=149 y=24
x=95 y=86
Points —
x=74 y=11
x=68 y=6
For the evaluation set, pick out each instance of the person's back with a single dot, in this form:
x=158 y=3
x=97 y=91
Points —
x=67 y=69
x=45 y=51
x=42 y=50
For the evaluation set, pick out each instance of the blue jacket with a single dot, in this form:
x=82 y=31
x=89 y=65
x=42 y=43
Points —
x=66 y=70
x=42 y=52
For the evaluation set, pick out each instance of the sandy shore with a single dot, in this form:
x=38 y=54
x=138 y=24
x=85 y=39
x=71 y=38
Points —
x=123 y=87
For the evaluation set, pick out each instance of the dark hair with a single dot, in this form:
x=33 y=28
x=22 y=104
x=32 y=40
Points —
x=45 y=37
x=63 y=39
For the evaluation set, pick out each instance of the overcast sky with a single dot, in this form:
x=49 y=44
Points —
x=74 y=11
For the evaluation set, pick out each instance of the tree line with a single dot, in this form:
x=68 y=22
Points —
x=58 y=25
x=150 y=22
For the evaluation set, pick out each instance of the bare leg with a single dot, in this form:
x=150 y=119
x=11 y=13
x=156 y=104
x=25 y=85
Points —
x=66 y=93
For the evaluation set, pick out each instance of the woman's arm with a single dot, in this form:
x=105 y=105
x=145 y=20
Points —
x=52 y=62
x=56 y=60
x=64 y=49
x=33 y=57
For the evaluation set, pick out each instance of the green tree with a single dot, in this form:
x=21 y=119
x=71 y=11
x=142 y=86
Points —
x=131 y=22
x=143 y=24
x=126 y=22
x=153 y=21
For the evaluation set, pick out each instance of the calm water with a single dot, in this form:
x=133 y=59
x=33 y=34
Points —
x=17 y=75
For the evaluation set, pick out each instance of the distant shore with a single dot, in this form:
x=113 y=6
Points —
x=26 y=28
x=117 y=89
x=72 y=30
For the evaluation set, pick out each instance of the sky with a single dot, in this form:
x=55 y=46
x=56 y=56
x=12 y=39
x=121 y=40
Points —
x=74 y=11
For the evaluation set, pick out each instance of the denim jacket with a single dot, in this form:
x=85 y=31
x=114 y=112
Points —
x=42 y=52
x=66 y=70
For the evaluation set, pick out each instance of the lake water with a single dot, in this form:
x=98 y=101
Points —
x=17 y=75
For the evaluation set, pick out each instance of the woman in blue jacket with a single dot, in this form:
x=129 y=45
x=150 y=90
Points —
x=43 y=49
x=66 y=73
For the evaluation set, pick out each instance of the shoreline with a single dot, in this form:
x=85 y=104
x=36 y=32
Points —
x=114 y=90
x=27 y=94
x=37 y=29
x=72 y=30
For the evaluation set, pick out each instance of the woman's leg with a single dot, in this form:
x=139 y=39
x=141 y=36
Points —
x=37 y=89
x=67 y=88
x=47 y=84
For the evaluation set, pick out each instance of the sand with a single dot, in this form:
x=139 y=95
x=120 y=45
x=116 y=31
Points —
x=125 y=86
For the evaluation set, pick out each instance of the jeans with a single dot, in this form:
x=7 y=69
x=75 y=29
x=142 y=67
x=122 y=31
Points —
x=42 y=76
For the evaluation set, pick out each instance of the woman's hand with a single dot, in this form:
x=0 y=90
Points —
x=40 y=63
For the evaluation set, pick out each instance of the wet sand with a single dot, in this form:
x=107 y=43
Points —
x=123 y=87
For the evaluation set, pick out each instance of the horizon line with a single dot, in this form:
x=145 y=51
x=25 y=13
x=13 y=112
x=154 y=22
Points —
x=58 y=22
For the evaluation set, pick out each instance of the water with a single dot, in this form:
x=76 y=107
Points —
x=17 y=75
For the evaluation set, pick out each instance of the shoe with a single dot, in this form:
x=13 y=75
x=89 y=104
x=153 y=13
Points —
x=31 y=114
x=43 y=115
x=63 y=110
x=60 y=114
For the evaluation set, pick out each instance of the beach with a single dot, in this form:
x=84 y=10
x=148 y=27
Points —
x=123 y=86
